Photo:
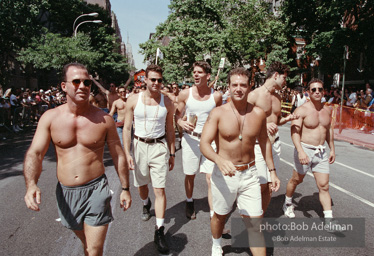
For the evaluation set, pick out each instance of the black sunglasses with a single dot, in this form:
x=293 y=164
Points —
x=153 y=80
x=320 y=89
x=77 y=82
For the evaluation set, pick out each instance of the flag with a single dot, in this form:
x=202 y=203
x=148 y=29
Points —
x=159 y=54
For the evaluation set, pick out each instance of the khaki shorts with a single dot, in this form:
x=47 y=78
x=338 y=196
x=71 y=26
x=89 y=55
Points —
x=318 y=160
x=151 y=163
x=193 y=160
x=243 y=187
x=262 y=169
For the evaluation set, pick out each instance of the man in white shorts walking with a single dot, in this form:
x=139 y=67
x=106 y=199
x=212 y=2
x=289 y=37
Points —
x=235 y=127
x=198 y=100
x=154 y=138
x=309 y=134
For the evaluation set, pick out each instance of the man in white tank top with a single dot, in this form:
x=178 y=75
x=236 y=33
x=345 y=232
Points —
x=154 y=148
x=198 y=100
x=269 y=100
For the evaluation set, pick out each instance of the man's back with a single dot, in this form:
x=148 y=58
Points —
x=266 y=101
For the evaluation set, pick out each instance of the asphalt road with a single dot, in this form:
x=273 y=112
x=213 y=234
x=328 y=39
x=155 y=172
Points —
x=24 y=232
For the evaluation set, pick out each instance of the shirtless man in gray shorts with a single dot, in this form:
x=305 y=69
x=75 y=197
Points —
x=235 y=127
x=79 y=132
x=309 y=134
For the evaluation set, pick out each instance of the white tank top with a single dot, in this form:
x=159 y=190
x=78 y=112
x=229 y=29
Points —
x=149 y=120
x=200 y=108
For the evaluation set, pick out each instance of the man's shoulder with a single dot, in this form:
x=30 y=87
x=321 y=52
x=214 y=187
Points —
x=183 y=95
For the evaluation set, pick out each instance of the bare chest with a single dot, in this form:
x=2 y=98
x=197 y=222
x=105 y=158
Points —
x=317 y=118
x=70 y=132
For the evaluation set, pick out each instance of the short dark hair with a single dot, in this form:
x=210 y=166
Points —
x=239 y=71
x=154 y=68
x=204 y=65
x=314 y=80
x=278 y=67
x=67 y=66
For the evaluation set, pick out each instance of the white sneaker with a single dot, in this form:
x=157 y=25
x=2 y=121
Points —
x=217 y=250
x=332 y=226
x=288 y=210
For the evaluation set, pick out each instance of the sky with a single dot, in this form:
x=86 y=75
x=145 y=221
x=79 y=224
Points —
x=138 y=19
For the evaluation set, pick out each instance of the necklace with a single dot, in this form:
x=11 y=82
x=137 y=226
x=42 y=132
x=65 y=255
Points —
x=145 y=117
x=245 y=115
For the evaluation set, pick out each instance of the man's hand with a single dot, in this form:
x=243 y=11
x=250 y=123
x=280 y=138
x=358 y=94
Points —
x=332 y=157
x=226 y=167
x=32 y=198
x=130 y=162
x=171 y=163
x=125 y=200
x=187 y=126
x=275 y=182
x=272 y=128
x=303 y=158
x=292 y=117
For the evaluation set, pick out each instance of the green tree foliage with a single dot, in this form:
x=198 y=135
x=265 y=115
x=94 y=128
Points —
x=328 y=25
x=241 y=31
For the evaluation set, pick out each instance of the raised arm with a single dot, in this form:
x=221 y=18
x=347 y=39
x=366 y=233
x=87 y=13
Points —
x=131 y=74
x=32 y=165
x=120 y=163
x=170 y=133
x=100 y=86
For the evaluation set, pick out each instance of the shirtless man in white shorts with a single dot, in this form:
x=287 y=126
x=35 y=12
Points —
x=269 y=100
x=235 y=127
x=309 y=134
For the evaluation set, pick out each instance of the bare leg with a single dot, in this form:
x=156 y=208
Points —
x=265 y=196
x=255 y=236
x=92 y=238
x=295 y=180
x=189 y=182
x=143 y=192
x=217 y=224
x=322 y=180
x=210 y=197
x=160 y=202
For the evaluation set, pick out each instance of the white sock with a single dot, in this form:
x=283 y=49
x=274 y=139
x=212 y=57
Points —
x=189 y=199
x=288 y=200
x=216 y=242
x=159 y=222
x=145 y=202
x=328 y=214
x=211 y=213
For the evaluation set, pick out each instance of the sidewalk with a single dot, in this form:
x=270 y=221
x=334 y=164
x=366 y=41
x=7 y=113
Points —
x=355 y=137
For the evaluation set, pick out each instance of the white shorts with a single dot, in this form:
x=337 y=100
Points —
x=318 y=160
x=193 y=160
x=262 y=169
x=244 y=187
x=151 y=163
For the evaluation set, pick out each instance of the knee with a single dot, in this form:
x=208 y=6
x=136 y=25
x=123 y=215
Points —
x=296 y=181
x=190 y=178
x=94 y=250
x=159 y=192
x=323 y=187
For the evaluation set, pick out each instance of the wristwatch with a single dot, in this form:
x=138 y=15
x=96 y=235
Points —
x=172 y=155
x=126 y=189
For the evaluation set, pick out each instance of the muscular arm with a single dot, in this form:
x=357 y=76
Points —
x=330 y=141
x=32 y=166
x=119 y=161
x=266 y=151
x=114 y=108
x=129 y=80
x=290 y=117
x=182 y=98
x=296 y=129
x=218 y=98
x=170 y=134
x=129 y=116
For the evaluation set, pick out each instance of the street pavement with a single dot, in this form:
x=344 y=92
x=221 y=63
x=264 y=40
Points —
x=25 y=232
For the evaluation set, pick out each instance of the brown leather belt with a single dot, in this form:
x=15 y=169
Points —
x=244 y=166
x=276 y=139
x=150 y=141
x=194 y=134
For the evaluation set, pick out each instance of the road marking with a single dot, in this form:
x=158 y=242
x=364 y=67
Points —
x=338 y=188
x=346 y=166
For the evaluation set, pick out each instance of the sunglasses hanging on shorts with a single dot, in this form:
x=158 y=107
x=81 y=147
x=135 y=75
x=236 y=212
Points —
x=77 y=82
x=153 y=80
x=320 y=89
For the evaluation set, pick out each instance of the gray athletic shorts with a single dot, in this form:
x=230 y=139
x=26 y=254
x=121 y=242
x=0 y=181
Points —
x=89 y=203
x=318 y=160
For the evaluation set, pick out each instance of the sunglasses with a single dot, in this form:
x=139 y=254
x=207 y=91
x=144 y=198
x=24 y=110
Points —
x=77 y=82
x=320 y=89
x=153 y=80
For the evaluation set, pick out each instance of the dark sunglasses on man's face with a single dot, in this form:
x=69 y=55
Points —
x=153 y=80
x=77 y=82
x=320 y=89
